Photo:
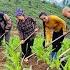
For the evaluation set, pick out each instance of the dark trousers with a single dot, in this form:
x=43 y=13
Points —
x=1 y=40
x=26 y=47
x=44 y=44
x=57 y=45
x=7 y=37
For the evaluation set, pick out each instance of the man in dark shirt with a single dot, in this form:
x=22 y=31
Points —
x=26 y=26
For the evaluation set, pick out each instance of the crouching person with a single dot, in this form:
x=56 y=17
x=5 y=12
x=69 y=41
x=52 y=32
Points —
x=5 y=27
x=26 y=26
x=54 y=27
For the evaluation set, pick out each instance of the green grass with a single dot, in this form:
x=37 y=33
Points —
x=14 y=57
x=36 y=7
x=44 y=54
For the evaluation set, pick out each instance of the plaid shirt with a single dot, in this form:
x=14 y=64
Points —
x=26 y=27
x=5 y=22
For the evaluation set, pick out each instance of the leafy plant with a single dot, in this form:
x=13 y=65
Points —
x=44 y=54
x=13 y=57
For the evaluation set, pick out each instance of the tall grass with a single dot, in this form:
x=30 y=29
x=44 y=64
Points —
x=13 y=57
x=44 y=54
x=37 y=7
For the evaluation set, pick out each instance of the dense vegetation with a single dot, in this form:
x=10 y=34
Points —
x=14 y=56
x=44 y=54
x=13 y=61
x=31 y=8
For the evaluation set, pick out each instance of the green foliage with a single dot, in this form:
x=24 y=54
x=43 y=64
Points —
x=44 y=54
x=31 y=8
x=13 y=57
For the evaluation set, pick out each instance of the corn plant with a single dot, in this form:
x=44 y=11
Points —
x=13 y=57
x=44 y=54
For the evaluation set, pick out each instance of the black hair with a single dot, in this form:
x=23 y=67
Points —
x=42 y=13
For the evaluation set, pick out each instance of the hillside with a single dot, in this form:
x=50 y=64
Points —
x=31 y=8
x=13 y=54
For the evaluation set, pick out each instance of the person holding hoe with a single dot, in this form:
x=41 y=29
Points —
x=26 y=26
x=5 y=27
x=54 y=27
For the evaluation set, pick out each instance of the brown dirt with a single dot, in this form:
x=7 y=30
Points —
x=41 y=65
x=33 y=60
x=2 y=61
x=37 y=65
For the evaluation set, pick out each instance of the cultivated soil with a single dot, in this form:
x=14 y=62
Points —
x=36 y=64
x=2 y=60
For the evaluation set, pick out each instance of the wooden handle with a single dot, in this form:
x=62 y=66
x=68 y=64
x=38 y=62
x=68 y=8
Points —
x=25 y=40
x=57 y=39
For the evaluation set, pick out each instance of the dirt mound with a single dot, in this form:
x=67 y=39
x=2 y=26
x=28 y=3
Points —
x=37 y=64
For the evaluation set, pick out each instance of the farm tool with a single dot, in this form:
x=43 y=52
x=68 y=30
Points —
x=2 y=35
x=46 y=45
x=24 y=40
x=53 y=42
x=61 y=59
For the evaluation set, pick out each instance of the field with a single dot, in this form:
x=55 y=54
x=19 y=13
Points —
x=33 y=9
x=13 y=57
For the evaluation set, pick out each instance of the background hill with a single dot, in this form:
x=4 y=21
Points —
x=31 y=8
